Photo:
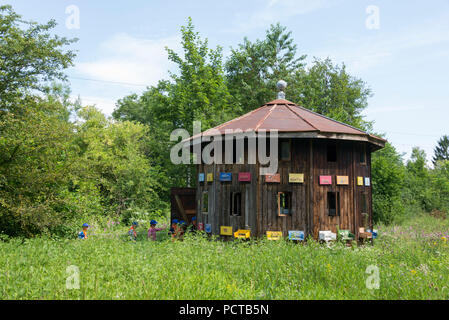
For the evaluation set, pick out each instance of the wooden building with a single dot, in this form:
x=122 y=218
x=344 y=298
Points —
x=323 y=180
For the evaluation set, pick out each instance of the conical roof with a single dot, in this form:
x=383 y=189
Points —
x=287 y=117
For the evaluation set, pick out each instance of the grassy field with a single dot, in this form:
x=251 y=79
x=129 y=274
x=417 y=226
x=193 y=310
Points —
x=412 y=259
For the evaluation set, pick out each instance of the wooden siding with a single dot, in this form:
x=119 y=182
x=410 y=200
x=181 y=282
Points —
x=309 y=199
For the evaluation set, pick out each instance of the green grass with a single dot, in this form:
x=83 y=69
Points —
x=413 y=262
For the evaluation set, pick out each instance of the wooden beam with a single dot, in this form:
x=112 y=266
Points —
x=181 y=208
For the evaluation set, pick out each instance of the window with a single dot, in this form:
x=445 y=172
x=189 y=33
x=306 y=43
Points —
x=284 y=203
x=331 y=152
x=205 y=202
x=285 y=150
x=333 y=203
x=363 y=154
x=236 y=204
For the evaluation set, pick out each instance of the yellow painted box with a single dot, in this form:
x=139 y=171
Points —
x=360 y=181
x=274 y=235
x=296 y=178
x=242 y=234
x=226 y=231
x=210 y=177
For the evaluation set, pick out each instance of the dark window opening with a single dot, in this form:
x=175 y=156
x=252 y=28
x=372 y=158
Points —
x=205 y=201
x=284 y=203
x=333 y=203
x=236 y=204
x=363 y=154
x=331 y=152
x=285 y=153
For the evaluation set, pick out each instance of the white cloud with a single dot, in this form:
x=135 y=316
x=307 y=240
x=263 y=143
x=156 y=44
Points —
x=130 y=60
x=381 y=47
x=276 y=10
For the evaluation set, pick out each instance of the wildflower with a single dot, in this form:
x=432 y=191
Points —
x=444 y=238
x=413 y=272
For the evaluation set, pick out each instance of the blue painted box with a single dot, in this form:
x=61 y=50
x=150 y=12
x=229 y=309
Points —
x=296 y=235
x=201 y=177
x=225 y=176
x=208 y=228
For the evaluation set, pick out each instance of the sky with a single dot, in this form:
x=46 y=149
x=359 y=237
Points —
x=399 y=48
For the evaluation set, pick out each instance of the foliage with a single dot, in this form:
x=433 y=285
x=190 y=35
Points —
x=29 y=57
x=387 y=171
x=36 y=158
x=328 y=89
x=441 y=150
x=253 y=69
x=114 y=156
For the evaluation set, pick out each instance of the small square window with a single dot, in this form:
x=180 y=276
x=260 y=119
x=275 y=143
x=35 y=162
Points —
x=331 y=152
x=284 y=203
x=333 y=203
x=363 y=154
x=285 y=153
x=236 y=204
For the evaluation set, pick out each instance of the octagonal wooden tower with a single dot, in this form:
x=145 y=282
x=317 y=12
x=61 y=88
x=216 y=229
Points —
x=323 y=180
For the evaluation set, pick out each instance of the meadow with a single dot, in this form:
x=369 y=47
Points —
x=412 y=260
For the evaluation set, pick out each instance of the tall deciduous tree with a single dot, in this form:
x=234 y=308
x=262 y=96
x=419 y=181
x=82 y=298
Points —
x=29 y=57
x=254 y=68
x=330 y=90
x=195 y=92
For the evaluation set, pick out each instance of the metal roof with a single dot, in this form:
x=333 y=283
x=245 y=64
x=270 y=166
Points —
x=287 y=117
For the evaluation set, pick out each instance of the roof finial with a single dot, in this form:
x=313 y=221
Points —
x=281 y=85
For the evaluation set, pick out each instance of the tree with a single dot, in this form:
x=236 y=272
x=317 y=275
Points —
x=253 y=69
x=36 y=150
x=36 y=159
x=387 y=170
x=441 y=150
x=197 y=92
x=30 y=57
x=113 y=154
x=329 y=90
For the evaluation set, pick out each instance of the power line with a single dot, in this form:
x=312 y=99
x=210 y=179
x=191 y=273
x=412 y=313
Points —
x=112 y=82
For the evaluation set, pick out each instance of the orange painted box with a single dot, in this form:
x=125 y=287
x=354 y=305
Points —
x=273 y=178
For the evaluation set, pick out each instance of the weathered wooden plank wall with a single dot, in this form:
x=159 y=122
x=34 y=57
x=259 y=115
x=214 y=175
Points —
x=309 y=199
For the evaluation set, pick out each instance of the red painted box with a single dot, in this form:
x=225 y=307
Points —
x=325 y=180
x=245 y=176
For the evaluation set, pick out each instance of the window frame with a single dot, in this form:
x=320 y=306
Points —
x=289 y=195
x=232 y=198
x=337 y=204
x=205 y=193
x=282 y=141
x=362 y=152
